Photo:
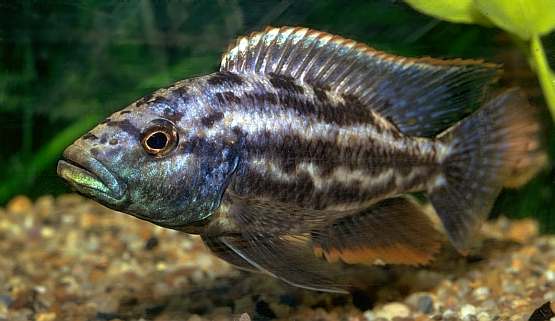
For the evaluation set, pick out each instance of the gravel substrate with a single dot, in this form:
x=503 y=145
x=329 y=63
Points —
x=68 y=258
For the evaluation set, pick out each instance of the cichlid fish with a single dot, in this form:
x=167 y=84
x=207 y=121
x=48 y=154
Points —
x=298 y=155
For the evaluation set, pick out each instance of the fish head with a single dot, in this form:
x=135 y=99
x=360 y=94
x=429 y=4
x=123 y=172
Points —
x=153 y=161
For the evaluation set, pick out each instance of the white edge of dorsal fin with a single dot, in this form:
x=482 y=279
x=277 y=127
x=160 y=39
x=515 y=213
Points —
x=422 y=96
x=255 y=47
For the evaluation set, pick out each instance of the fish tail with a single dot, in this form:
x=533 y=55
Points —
x=497 y=146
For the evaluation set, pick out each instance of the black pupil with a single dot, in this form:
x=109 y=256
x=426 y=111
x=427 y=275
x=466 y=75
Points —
x=157 y=140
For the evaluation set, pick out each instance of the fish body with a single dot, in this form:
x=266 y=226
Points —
x=298 y=154
x=318 y=151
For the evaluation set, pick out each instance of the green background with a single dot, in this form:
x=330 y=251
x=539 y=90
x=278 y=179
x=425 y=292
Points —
x=64 y=65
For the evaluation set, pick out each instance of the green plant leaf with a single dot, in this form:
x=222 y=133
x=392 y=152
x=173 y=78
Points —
x=45 y=158
x=545 y=75
x=450 y=10
x=524 y=18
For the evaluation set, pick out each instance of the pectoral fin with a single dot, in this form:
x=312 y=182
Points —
x=290 y=259
x=221 y=250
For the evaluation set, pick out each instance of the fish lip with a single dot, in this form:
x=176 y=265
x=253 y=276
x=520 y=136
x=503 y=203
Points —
x=77 y=160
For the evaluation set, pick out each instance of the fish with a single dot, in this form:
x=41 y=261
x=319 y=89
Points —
x=303 y=154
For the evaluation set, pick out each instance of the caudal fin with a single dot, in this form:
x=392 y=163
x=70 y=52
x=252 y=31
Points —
x=495 y=147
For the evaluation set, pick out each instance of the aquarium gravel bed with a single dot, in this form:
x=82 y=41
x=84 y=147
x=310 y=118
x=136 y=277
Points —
x=67 y=258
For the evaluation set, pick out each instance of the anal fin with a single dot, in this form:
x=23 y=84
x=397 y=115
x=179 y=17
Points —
x=309 y=248
x=394 y=231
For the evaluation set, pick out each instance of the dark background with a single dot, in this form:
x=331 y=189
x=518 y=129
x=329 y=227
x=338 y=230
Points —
x=65 y=65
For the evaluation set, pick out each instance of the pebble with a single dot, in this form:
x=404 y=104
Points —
x=369 y=315
x=46 y=316
x=522 y=230
x=47 y=232
x=481 y=293
x=515 y=304
x=3 y=311
x=19 y=205
x=5 y=300
x=281 y=310
x=549 y=296
x=484 y=316
x=244 y=317
x=422 y=302
x=449 y=314
x=151 y=243
x=550 y=275
x=467 y=310
x=425 y=304
x=392 y=310
x=44 y=205
x=243 y=304
x=69 y=259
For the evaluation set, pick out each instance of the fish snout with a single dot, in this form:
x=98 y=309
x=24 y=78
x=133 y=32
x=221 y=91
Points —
x=88 y=175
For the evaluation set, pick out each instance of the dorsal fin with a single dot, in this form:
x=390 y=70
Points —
x=422 y=96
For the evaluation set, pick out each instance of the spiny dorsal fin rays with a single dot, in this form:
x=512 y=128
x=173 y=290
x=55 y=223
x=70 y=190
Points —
x=422 y=96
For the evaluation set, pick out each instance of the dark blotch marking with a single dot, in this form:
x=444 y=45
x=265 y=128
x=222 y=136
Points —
x=183 y=93
x=123 y=112
x=290 y=150
x=225 y=78
x=173 y=115
x=404 y=170
x=94 y=151
x=227 y=97
x=201 y=147
x=143 y=100
x=89 y=136
x=209 y=120
x=321 y=95
x=105 y=121
x=271 y=98
x=301 y=191
x=347 y=113
x=286 y=83
x=126 y=126
x=160 y=100
x=305 y=107
x=238 y=131
x=261 y=99
x=252 y=183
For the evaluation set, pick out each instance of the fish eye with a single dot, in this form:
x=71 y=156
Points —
x=159 y=139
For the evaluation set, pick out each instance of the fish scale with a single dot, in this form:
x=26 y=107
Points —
x=297 y=156
x=300 y=161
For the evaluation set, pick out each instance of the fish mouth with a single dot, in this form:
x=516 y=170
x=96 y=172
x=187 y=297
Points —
x=89 y=176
